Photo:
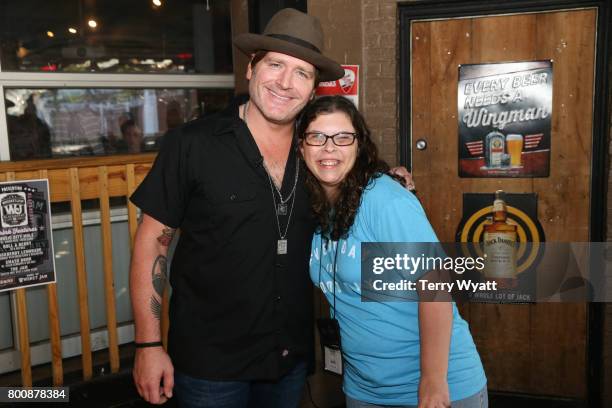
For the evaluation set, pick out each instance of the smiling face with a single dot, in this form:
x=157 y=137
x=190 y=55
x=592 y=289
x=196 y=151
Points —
x=280 y=86
x=330 y=164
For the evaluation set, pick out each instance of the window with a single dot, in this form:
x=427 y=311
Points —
x=56 y=122
x=80 y=77
x=135 y=36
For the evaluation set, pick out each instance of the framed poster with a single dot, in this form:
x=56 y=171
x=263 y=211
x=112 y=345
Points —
x=504 y=119
x=26 y=239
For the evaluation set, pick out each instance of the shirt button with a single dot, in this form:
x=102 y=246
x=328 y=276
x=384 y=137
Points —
x=285 y=353
x=278 y=298
x=233 y=197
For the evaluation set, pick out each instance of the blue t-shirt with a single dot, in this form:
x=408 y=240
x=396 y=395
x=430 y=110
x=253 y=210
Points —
x=380 y=340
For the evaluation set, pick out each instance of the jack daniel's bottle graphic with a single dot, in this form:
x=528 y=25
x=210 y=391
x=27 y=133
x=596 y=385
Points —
x=500 y=246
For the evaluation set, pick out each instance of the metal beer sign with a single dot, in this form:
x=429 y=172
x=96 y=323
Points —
x=504 y=119
x=26 y=242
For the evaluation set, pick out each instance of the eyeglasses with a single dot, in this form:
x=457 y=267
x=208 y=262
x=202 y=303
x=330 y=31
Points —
x=339 y=139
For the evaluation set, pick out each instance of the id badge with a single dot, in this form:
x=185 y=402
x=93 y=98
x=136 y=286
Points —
x=329 y=334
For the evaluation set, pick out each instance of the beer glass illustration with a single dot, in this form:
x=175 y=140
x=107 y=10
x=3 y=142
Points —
x=514 y=144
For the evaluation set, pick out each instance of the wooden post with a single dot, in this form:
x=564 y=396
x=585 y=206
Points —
x=132 y=217
x=79 y=254
x=109 y=285
x=22 y=325
x=54 y=325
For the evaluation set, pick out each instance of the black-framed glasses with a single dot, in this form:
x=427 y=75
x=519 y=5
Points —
x=339 y=139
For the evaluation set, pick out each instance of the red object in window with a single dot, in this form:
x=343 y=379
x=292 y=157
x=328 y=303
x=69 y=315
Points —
x=185 y=55
x=50 y=67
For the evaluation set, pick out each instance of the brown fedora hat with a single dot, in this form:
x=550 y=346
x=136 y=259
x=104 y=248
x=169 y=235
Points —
x=293 y=33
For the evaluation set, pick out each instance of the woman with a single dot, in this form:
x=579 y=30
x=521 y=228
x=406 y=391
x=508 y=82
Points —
x=394 y=353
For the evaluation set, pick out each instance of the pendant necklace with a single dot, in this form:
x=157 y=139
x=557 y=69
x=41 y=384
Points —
x=281 y=207
x=281 y=243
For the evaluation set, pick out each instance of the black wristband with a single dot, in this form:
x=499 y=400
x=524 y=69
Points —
x=148 y=344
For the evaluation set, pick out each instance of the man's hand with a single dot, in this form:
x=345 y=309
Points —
x=403 y=173
x=148 y=274
x=152 y=368
x=433 y=393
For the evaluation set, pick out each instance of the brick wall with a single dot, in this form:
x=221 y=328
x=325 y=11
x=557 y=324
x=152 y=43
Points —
x=341 y=21
x=364 y=33
x=379 y=72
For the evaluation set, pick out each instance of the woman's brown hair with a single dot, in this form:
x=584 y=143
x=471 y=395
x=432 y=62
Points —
x=335 y=219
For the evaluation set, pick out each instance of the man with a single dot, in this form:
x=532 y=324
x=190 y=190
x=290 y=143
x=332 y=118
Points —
x=132 y=137
x=241 y=329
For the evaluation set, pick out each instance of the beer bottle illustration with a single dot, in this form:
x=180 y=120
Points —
x=500 y=246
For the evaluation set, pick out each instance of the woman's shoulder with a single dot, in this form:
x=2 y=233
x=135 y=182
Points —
x=384 y=188
x=394 y=214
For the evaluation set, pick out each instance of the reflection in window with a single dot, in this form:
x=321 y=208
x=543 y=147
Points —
x=45 y=123
x=135 y=36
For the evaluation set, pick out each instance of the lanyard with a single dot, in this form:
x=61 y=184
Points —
x=333 y=274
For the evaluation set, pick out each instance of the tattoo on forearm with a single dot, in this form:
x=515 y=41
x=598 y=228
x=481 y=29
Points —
x=166 y=236
x=159 y=274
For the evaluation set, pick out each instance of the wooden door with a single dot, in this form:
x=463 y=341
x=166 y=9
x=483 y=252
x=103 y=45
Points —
x=540 y=348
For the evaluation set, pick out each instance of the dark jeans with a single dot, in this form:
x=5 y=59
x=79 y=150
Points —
x=285 y=393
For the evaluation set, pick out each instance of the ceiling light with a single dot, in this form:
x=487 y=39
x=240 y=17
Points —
x=157 y=3
x=50 y=34
x=72 y=30
x=92 y=23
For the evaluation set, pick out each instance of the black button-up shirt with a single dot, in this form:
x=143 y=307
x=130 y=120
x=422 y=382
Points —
x=239 y=311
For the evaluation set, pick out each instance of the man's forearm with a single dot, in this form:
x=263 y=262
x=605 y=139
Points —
x=148 y=277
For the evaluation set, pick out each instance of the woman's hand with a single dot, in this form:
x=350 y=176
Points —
x=433 y=393
x=435 y=322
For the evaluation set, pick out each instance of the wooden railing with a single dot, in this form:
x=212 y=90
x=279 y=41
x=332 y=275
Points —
x=74 y=180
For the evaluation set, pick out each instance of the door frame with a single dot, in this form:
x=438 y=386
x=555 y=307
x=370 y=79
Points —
x=439 y=9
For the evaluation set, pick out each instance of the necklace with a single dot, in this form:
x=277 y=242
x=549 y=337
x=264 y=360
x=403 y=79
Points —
x=281 y=206
x=281 y=244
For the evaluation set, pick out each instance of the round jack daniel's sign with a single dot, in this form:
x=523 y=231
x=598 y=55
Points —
x=14 y=210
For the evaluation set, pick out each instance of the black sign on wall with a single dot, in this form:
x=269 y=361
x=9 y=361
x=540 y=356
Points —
x=26 y=239
x=504 y=119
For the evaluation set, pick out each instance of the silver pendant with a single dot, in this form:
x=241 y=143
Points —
x=281 y=246
x=281 y=209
